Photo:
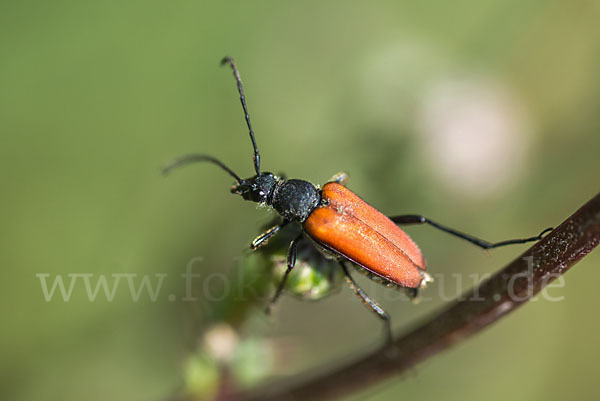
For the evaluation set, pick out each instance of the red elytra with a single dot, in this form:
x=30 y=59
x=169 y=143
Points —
x=347 y=225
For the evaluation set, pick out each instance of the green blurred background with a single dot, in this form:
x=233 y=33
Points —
x=480 y=114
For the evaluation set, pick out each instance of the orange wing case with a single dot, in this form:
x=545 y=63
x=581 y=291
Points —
x=356 y=230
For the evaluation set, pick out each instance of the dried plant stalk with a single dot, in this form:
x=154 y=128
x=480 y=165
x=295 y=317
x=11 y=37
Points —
x=501 y=294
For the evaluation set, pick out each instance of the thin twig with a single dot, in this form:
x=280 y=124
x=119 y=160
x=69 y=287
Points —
x=501 y=294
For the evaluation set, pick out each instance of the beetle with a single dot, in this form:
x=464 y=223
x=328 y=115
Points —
x=341 y=225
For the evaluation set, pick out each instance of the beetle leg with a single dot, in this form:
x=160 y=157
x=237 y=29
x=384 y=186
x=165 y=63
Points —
x=264 y=237
x=369 y=303
x=291 y=262
x=412 y=293
x=417 y=219
x=340 y=178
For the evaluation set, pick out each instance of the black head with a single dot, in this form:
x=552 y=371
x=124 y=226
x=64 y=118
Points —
x=256 y=189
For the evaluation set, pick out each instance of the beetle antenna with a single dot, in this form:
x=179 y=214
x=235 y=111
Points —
x=193 y=158
x=236 y=74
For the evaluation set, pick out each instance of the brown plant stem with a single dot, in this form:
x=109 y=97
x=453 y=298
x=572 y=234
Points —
x=501 y=294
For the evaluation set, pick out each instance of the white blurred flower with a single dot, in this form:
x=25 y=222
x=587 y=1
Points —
x=220 y=341
x=476 y=136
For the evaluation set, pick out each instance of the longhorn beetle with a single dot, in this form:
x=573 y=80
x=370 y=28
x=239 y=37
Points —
x=339 y=223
